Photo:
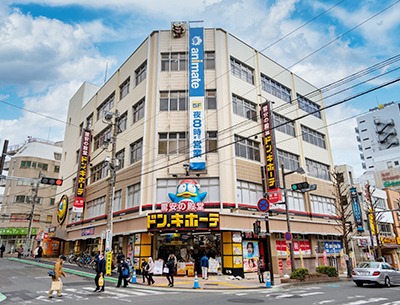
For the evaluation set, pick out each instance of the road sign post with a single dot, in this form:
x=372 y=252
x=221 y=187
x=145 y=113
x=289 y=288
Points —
x=263 y=205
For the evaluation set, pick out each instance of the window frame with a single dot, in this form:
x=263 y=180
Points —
x=242 y=71
x=243 y=148
x=141 y=73
x=136 y=151
x=124 y=88
x=180 y=139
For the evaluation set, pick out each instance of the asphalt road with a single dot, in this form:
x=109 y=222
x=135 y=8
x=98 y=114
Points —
x=28 y=284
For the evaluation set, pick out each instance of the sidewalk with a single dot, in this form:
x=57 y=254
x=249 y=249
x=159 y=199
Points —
x=214 y=282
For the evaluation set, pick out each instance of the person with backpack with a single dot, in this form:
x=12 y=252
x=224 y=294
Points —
x=171 y=263
x=38 y=252
x=144 y=270
x=123 y=271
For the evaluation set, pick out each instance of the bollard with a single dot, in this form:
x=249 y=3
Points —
x=133 y=280
x=196 y=282
x=268 y=281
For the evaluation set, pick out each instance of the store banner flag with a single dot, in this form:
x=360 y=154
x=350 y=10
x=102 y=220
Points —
x=82 y=172
x=356 y=210
x=196 y=100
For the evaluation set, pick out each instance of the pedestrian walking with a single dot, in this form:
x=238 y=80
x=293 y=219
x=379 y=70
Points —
x=204 y=266
x=260 y=269
x=2 y=249
x=150 y=271
x=129 y=262
x=56 y=284
x=144 y=267
x=100 y=271
x=171 y=263
x=120 y=255
x=123 y=273
x=38 y=252
x=20 y=250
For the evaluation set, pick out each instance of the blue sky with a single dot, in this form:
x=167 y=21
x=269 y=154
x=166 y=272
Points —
x=48 y=48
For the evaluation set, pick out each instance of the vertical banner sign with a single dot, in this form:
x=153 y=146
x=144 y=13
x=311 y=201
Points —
x=196 y=100
x=82 y=172
x=356 y=210
x=270 y=168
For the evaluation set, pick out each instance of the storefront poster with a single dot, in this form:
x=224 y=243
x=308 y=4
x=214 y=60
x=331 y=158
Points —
x=181 y=268
x=190 y=269
x=325 y=258
x=137 y=238
x=237 y=237
x=332 y=247
x=137 y=250
x=237 y=262
x=250 y=264
x=136 y=262
x=131 y=248
x=213 y=266
x=280 y=263
x=237 y=250
x=158 y=267
x=250 y=255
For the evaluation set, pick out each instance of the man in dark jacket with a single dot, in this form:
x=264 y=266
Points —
x=144 y=271
x=2 y=249
x=123 y=273
x=171 y=269
x=100 y=271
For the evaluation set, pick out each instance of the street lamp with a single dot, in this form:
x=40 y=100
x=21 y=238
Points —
x=300 y=170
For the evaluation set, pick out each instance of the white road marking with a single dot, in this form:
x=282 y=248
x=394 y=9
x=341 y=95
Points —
x=240 y=294
x=288 y=295
x=372 y=300
x=311 y=293
x=327 y=301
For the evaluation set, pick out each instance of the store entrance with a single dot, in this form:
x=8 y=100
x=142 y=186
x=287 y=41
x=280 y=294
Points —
x=189 y=248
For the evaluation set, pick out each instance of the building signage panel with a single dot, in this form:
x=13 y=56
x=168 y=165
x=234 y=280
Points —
x=196 y=99
x=16 y=231
x=62 y=209
x=268 y=135
x=332 y=247
x=182 y=221
x=82 y=172
x=356 y=210
x=87 y=231
x=388 y=240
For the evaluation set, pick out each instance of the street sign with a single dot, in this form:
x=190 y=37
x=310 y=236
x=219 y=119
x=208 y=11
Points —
x=108 y=240
x=109 y=261
x=288 y=236
x=263 y=205
x=275 y=195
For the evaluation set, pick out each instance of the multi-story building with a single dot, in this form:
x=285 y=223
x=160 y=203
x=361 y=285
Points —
x=27 y=161
x=158 y=119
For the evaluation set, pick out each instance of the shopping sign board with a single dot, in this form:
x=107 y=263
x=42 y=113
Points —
x=356 y=210
x=275 y=196
x=182 y=221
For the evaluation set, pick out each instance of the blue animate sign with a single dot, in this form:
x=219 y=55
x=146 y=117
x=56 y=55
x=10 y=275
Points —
x=332 y=247
x=196 y=99
x=356 y=210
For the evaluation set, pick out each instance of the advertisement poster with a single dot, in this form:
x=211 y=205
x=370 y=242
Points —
x=130 y=249
x=137 y=238
x=190 y=269
x=237 y=250
x=280 y=263
x=237 y=262
x=288 y=261
x=251 y=255
x=213 y=266
x=158 y=267
x=237 y=237
x=325 y=258
x=137 y=250
x=181 y=268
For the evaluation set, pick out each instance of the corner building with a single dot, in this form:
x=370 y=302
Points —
x=151 y=93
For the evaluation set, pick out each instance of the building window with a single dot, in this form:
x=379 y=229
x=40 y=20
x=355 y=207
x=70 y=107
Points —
x=77 y=153
x=174 y=61
x=173 y=101
x=80 y=129
x=49 y=218
x=89 y=121
x=22 y=182
x=312 y=136
x=120 y=156
x=56 y=168
x=26 y=164
x=396 y=163
x=210 y=100
x=57 y=156
x=248 y=193
x=133 y=198
x=323 y=205
x=317 y=170
x=104 y=135
x=242 y=71
x=124 y=88
x=282 y=124
x=20 y=199
x=275 y=89
x=99 y=171
x=52 y=201
x=136 y=151
x=209 y=60
x=43 y=166
x=246 y=148
x=212 y=142
x=385 y=229
x=122 y=122
x=296 y=201
x=244 y=108
x=308 y=106
x=138 y=111
x=172 y=143
x=379 y=202
x=389 y=164
x=290 y=161
x=107 y=105
x=96 y=207
x=117 y=204
x=140 y=73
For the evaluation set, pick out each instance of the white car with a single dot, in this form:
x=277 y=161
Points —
x=375 y=272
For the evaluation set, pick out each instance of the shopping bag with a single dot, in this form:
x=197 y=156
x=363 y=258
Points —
x=101 y=281
x=56 y=285
x=166 y=270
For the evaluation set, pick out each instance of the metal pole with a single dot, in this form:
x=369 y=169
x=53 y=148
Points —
x=287 y=217
x=3 y=156
x=31 y=218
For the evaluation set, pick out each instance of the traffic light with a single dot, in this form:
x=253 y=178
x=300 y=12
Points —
x=304 y=187
x=51 y=181
x=257 y=227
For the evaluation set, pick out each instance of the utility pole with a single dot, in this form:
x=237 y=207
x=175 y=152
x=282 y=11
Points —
x=28 y=237
x=3 y=156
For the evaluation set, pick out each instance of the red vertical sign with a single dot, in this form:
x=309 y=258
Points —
x=82 y=172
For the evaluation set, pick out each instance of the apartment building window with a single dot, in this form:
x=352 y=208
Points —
x=173 y=101
x=138 y=111
x=57 y=156
x=20 y=199
x=140 y=73
x=43 y=166
x=133 y=198
x=244 y=108
x=49 y=218
x=174 y=62
x=124 y=88
x=323 y=205
x=212 y=141
x=77 y=153
x=242 y=71
x=308 y=106
x=282 y=124
x=99 y=171
x=96 y=207
x=122 y=122
x=56 y=168
x=210 y=100
x=26 y=164
x=317 y=170
x=136 y=151
x=117 y=205
x=296 y=201
x=290 y=161
x=312 y=136
x=52 y=201
x=275 y=89
x=209 y=60
x=89 y=121
x=103 y=136
x=170 y=143
x=121 y=158
x=246 y=148
x=248 y=193
x=107 y=105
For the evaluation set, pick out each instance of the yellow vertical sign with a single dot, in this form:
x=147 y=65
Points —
x=371 y=218
x=109 y=259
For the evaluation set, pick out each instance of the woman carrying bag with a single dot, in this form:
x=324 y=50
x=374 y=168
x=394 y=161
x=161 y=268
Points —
x=150 y=271
x=170 y=269
x=123 y=270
